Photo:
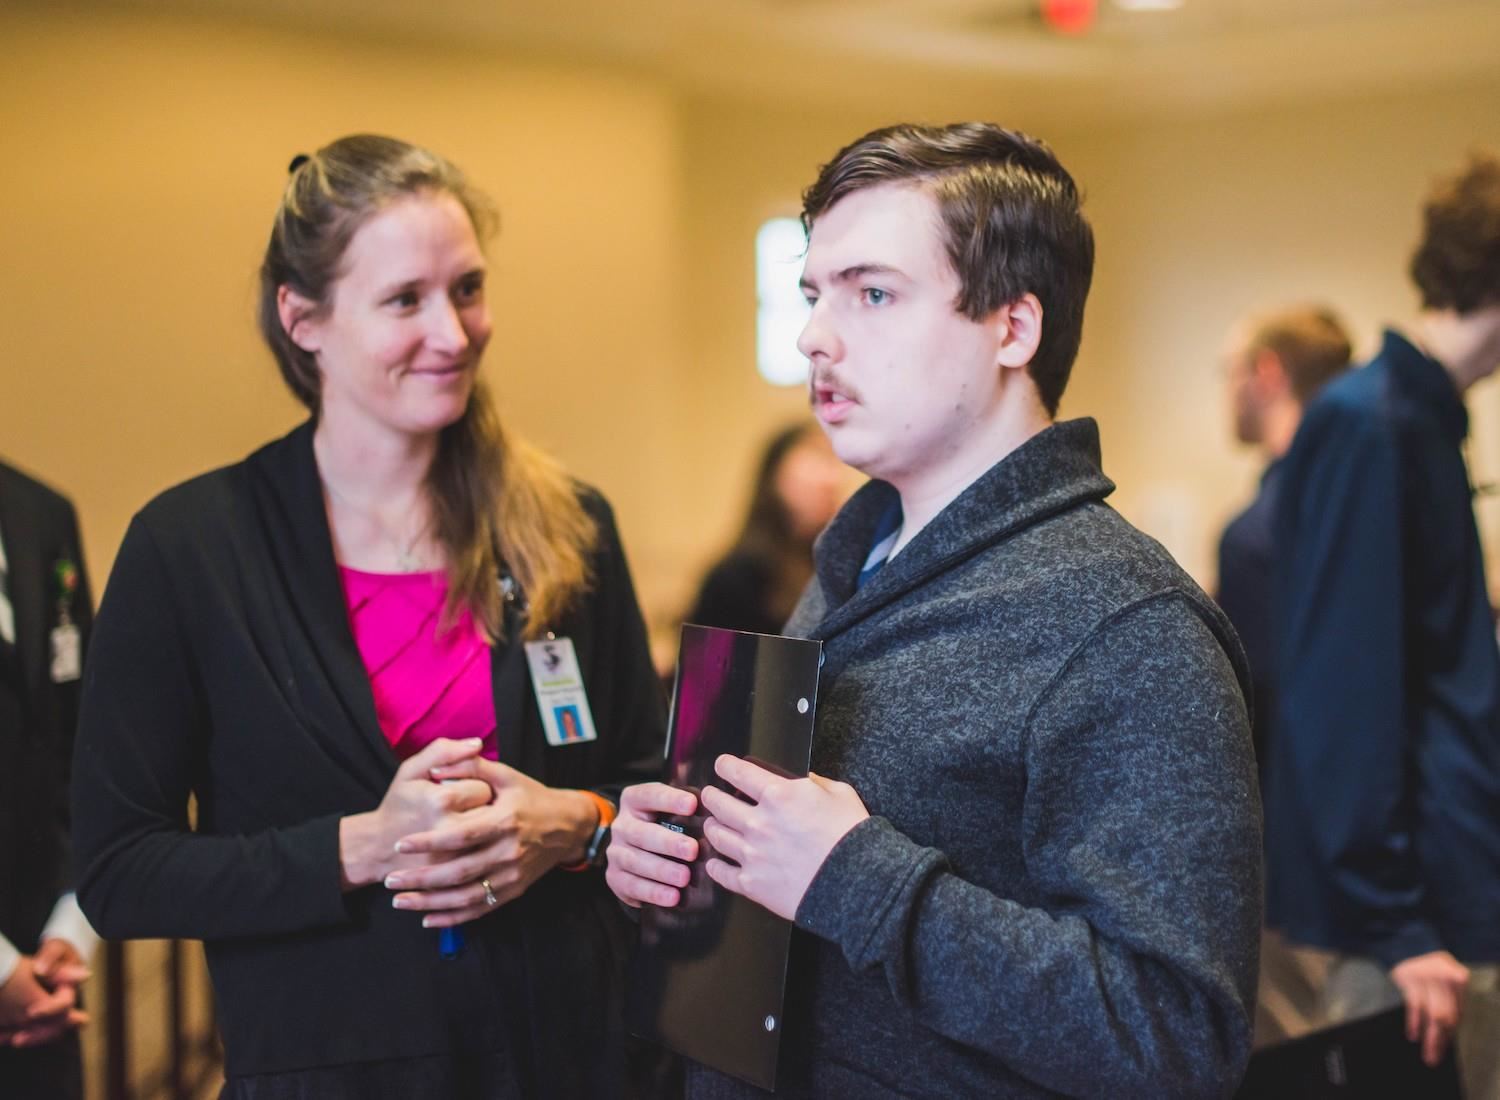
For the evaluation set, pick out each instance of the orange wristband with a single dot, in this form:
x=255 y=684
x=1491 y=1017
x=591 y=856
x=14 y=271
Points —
x=607 y=813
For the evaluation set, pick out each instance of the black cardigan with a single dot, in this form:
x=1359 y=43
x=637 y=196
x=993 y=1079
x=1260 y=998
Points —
x=223 y=667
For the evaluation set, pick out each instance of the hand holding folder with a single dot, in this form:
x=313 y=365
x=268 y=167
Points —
x=709 y=978
x=773 y=844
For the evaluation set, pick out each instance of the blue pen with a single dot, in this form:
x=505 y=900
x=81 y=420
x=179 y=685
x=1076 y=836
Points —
x=450 y=940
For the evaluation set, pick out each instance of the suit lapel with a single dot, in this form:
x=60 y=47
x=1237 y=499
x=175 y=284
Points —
x=1052 y=472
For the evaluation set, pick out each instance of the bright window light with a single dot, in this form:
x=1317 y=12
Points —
x=781 y=309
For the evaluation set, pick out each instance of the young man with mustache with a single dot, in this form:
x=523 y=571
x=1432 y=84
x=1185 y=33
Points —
x=1028 y=862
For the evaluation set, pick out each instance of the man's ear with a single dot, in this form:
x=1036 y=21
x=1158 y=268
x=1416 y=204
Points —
x=299 y=315
x=1270 y=373
x=1020 y=329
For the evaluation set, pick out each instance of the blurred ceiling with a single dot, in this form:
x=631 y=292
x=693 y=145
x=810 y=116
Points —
x=925 y=57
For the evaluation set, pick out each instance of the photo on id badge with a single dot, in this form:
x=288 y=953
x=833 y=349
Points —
x=569 y=725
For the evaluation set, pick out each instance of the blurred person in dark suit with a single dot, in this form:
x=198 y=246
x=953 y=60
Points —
x=45 y=943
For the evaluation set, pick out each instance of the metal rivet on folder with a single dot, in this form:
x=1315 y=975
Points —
x=770 y=1023
x=801 y=709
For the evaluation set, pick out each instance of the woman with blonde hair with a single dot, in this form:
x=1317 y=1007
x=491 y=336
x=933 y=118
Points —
x=396 y=658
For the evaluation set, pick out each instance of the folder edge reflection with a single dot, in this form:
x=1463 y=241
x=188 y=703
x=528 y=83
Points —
x=709 y=977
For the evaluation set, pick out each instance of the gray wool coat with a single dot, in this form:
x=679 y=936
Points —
x=1059 y=892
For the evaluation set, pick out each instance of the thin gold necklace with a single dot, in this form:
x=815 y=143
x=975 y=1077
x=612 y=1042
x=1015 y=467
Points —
x=407 y=560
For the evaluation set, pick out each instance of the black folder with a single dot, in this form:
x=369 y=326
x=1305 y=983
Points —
x=1365 y=1059
x=709 y=978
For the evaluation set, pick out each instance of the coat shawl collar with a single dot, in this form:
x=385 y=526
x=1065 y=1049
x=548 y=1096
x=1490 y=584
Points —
x=1055 y=470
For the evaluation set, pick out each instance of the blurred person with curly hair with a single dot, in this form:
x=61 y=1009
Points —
x=1383 y=787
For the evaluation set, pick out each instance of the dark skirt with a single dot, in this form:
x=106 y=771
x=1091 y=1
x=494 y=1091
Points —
x=50 y=1072
x=479 y=1065
x=486 y=1076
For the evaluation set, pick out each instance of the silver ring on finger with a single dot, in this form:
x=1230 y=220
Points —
x=489 y=894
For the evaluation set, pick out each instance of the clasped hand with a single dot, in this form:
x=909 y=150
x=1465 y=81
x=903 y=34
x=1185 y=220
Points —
x=481 y=823
x=39 y=1002
x=767 y=849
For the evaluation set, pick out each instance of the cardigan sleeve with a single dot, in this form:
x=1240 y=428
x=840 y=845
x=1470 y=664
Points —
x=143 y=731
x=1132 y=972
x=634 y=708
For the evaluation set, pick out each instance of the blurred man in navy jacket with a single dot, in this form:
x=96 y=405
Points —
x=1275 y=362
x=1383 y=793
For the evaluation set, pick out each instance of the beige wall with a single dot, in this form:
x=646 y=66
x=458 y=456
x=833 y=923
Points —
x=742 y=166
x=1197 y=222
x=146 y=155
x=1201 y=221
x=144 y=160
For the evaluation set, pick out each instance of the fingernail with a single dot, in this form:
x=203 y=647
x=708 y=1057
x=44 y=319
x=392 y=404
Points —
x=426 y=922
x=402 y=847
x=393 y=882
x=402 y=903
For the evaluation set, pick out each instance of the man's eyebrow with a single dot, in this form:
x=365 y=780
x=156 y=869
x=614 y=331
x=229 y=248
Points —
x=858 y=271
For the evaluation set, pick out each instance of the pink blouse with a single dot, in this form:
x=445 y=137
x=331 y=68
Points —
x=426 y=685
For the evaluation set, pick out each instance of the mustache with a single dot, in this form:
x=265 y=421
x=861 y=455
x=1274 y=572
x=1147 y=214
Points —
x=824 y=379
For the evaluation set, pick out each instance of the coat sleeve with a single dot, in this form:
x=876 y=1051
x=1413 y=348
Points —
x=1342 y=708
x=1130 y=971
x=143 y=732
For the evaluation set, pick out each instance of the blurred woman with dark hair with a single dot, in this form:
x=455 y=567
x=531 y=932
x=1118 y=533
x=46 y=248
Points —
x=799 y=485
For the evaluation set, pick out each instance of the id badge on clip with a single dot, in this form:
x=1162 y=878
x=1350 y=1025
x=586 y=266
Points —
x=558 y=685
x=67 y=654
